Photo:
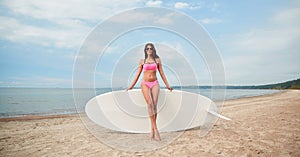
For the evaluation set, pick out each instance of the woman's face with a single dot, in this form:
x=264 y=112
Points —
x=149 y=50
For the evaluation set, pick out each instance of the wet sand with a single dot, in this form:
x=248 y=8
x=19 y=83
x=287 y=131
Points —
x=266 y=125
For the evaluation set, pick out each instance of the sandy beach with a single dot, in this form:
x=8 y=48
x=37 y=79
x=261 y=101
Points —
x=266 y=125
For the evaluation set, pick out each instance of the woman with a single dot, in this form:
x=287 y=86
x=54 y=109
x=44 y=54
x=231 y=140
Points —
x=150 y=86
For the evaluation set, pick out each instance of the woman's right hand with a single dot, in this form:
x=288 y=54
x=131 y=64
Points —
x=128 y=88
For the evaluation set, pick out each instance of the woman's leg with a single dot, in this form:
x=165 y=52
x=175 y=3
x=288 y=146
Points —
x=154 y=95
x=146 y=93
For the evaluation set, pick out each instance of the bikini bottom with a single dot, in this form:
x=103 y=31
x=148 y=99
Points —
x=150 y=84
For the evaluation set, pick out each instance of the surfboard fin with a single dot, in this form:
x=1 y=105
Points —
x=218 y=115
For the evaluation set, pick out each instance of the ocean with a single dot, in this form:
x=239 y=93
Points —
x=16 y=102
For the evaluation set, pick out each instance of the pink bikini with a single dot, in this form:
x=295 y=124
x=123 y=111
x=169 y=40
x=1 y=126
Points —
x=148 y=66
x=150 y=84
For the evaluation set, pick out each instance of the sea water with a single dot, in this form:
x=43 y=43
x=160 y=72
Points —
x=16 y=102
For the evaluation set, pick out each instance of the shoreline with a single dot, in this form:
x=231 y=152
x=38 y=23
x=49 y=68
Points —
x=267 y=94
x=37 y=117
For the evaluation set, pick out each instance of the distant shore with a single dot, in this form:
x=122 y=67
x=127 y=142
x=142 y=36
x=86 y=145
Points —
x=266 y=125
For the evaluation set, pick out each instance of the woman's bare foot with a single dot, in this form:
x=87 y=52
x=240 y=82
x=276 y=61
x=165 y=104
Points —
x=152 y=135
x=157 y=136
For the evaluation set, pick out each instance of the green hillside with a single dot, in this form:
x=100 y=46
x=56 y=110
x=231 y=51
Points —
x=294 y=84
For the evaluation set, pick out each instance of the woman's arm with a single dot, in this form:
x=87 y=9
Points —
x=162 y=74
x=139 y=71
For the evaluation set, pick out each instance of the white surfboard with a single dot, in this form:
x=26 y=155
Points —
x=127 y=111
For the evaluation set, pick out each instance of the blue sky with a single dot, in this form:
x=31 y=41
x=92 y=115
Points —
x=258 y=41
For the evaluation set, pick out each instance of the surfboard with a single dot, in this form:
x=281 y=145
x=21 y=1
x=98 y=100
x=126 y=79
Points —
x=127 y=111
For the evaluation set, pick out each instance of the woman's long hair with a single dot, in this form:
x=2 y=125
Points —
x=154 y=55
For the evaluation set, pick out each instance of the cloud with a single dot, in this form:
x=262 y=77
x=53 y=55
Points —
x=37 y=81
x=289 y=17
x=215 y=7
x=166 y=19
x=211 y=21
x=13 y=30
x=280 y=35
x=146 y=18
x=132 y=17
x=181 y=5
x=61 y=24
x=192 y=6
x=156 y=3
x=261 y=40
x=93 y=10
x=267 y=53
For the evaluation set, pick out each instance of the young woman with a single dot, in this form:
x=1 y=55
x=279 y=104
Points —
x=150 y=86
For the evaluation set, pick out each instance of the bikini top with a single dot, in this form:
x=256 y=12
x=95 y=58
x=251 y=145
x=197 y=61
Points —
x=150 y=66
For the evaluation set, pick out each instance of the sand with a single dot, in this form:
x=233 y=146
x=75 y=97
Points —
x=266 y=125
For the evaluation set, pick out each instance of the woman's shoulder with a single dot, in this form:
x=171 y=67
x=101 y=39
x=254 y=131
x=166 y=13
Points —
x=157 y=60
x=141 y=62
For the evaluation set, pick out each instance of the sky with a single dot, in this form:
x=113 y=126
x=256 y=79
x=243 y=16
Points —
x=40 y=41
